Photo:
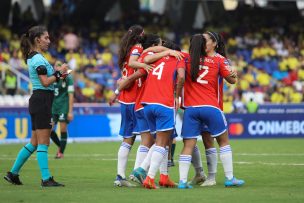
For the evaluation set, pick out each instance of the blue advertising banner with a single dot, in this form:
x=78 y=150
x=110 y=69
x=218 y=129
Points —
x=265 y=125
x=101 y=122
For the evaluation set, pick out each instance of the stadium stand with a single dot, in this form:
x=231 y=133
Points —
x=269 y=57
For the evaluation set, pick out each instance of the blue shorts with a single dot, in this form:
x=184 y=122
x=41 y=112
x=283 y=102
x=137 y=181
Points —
x=160 y=118
x=173 y=135
x=199 y=119
x=141 y=122
x=205 y=128
x=128 y=121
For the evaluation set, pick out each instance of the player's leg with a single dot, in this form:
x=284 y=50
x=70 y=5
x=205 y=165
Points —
x=158 y=154
x=163 y=122
x=211 y=157
x=54 y=135
x=218 y=129
x=63 y=139
x=165 y=180
x=190 y=130
x=139 y=174
x=196 y=161
x=147 y=140
x=171 y=152
x=126 y=131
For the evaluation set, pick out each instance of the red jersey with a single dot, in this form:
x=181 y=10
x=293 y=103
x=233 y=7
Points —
x=141 y=84
x=207 y=90
x=160 y=83
x=128 y=96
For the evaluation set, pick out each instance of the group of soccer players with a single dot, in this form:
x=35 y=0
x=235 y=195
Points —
x=157 y=79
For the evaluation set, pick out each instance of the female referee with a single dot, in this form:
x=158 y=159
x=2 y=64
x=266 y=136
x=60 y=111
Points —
x=42 y=76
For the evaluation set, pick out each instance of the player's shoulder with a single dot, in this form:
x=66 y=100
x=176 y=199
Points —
x=137 y=49
x=137 y=46
x=220 y=57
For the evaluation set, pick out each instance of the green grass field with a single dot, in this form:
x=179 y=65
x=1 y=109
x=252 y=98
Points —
x=273 y=171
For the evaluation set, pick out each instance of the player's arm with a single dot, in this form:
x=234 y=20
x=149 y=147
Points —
x=180 y=81
x=124 y=83
x=156 y=49
x=179 y=85
x=71 y=100
x=137 y=65
x=227 y=72
x=154 y=57
x=231 y=78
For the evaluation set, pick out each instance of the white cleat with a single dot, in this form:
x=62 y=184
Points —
x=134 y=179
x=122 y=182
x=198 y=180
x=208 y=183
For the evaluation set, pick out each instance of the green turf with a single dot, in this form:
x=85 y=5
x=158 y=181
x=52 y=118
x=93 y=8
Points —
x=273 y=171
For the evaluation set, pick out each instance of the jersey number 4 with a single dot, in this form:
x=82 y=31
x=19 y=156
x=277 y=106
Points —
x=158 y=70
x=203 y=74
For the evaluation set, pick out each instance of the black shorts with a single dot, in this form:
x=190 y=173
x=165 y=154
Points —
x=40 y=108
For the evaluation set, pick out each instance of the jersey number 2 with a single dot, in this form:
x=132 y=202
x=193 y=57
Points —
x=158 y=70
x=203 y=74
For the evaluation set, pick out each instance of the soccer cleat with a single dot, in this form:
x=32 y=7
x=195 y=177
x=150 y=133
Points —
x=132 y=178
x=139 y=174
x=198 y=180
x=59 y=155
x=51 y=183
x=234 y=182
x=13 y=178
x=184 y=185
x=208 y=183
x=165 y=181
x=149 y=183
x=122 y=182
x=171 y=163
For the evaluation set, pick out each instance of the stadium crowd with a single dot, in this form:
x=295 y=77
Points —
x=269 y=60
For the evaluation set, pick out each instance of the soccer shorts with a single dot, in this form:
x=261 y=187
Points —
x=40 y=109
x=60 y=118
x=128 y=121
x=196 y=117
x=160 y=118
x=141 y=122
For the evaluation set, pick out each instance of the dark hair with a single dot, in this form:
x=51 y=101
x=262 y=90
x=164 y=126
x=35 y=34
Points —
x=28 y=39
x=150 y=40
x=220 y=45
x=197 y=52
x=171 y=45
x=132 y=37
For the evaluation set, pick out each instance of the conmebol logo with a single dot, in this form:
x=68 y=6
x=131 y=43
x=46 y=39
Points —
x=276 y=127
x=236 y=129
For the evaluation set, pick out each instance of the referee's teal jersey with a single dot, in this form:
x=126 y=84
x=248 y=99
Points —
x=34 y=61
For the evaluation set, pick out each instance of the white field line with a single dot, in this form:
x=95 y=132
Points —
x=235 y=154
x=100 y=158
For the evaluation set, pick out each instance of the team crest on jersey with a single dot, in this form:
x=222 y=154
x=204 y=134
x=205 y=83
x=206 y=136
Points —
x=135 y=51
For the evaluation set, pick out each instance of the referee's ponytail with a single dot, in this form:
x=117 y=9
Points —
x=197 y=52
x=28 y=40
